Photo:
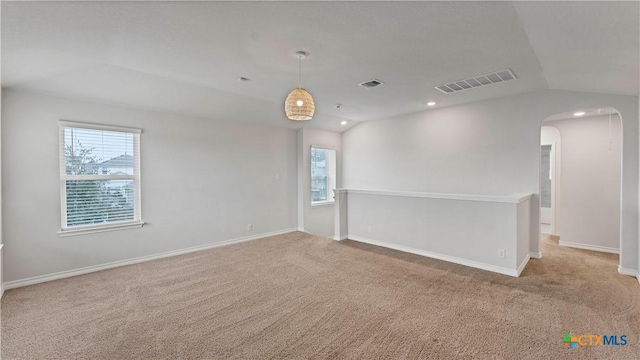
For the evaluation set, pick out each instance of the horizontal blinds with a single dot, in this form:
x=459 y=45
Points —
x=99 y=175
x=98 y=152
x=96 y=202
x=323 y=174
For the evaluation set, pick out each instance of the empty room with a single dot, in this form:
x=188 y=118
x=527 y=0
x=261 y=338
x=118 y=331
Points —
x=319 y=180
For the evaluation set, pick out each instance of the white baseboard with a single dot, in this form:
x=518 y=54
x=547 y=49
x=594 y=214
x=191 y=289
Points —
x=589 y=247
x=630 y=272
x=535 y=255
x=89 y=269
x=453 y=259
x=339 y=238
x=1 y=285
x=523 y=265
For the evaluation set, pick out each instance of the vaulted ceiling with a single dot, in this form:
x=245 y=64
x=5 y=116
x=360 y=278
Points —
x=186 y=57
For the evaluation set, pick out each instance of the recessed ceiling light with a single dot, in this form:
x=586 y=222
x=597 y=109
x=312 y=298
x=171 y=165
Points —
x=579 y=113
x=343 y=122
x=431 y=103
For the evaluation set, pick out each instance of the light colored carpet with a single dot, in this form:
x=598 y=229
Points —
x=298 y=296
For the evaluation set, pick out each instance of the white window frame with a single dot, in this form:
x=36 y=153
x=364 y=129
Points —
x=330 y=199
x=137 y=206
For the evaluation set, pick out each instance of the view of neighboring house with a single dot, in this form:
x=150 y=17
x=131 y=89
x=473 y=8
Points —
x=121 y=165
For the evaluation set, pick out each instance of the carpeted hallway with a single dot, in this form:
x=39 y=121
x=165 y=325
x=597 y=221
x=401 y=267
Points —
x=297 y=296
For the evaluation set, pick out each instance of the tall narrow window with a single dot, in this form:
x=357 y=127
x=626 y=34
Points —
x=323 y=175
x=99 y=176
x=545 y=176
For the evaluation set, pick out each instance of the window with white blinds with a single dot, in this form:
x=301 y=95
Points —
x=323 y=175
x=99 y=176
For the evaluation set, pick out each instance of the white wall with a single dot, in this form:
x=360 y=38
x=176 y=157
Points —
x=590 y=208
x=468 y=231
x=203 y=181
x=319 y=219
x=1 y=238
x=550 y=135
x=490 y=147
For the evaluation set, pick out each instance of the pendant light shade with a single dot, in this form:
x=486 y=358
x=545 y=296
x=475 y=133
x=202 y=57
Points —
x=299 y=104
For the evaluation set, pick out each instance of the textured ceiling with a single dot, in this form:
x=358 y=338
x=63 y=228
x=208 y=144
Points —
x=186 y=57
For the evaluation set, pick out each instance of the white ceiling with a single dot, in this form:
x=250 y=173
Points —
x=186 y=57
x=587 y=113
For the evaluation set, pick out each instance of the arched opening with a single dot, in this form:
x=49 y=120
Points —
x=581 y=179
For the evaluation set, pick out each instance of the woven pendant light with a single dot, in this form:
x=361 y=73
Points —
x=299 y=104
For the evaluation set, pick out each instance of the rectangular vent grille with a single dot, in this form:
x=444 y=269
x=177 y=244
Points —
x=371 y=83
x=477 y=81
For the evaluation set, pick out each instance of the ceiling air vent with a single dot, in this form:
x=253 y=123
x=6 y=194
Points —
x=476 y=81
x=371 y=83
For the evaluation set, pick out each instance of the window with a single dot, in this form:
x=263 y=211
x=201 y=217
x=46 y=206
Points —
x=545 y=176
x=99 y=177
x=323 y=175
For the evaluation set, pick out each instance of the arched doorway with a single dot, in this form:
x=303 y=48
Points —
x=580 y=179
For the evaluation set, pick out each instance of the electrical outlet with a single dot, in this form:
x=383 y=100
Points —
x=250 y=227
x=369 y=229
x=501 y=253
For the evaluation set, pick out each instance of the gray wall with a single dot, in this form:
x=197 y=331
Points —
x=317 y=220
x=486 y=148
x=203 y=181
x=464 y=231
x=590 y=187
x=1 y=237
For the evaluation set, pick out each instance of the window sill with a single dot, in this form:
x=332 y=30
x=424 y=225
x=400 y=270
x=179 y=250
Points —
x=99 y=229
x=323 y=203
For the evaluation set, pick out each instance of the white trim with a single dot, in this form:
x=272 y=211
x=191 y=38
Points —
x=89 y=269
x=456 y=260
x=625 y=271
x=589 y=247
x=99 y=228
x=339 y=238
x=513 y=199
x=1 y=285
x=523 y=265
x=100 y=177
x=64 y=177
x=535 y=255
x=62 y=170
x=323 y=147
x=322 y=203
x=83 y=125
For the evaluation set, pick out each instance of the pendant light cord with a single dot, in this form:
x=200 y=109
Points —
x=299 y=71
